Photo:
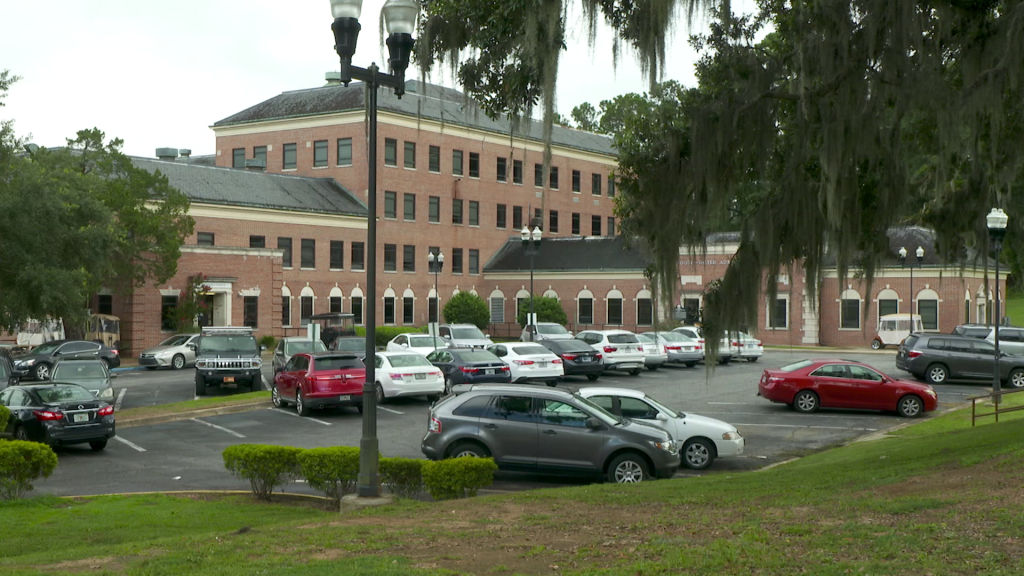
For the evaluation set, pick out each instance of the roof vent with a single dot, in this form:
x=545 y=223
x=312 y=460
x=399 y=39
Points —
x=333 y=78
x=167 y=153
x=255 y=164
x=185 y=152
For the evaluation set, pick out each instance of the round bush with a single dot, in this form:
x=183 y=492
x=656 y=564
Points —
x=22 y=462
x=331 y=470
x=467 y=308
x=547 y=309
x=265 y=467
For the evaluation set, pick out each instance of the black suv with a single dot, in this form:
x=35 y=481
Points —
x=938 y=358
x=227 y=355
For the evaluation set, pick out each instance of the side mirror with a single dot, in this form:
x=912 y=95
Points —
x=262 y=348
x=570 y=333
x=488 y=336
x=662 y=417
x=57 y=353
x=446 y=337
x=404 y=345
x=192 y=347
x=594 y=424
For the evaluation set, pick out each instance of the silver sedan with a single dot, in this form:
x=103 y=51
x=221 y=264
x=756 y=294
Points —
x=173 y=352
x=679 y=347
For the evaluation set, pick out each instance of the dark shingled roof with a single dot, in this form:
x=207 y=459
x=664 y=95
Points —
x=563 y=254
x=237 y=187
x=421 y=99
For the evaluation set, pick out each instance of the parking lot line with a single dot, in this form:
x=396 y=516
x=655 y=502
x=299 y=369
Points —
x=280 y=411
x=221 y=428
x=120 y=398
x=390 y=410
x=737 y=424
x=264 y=380
x=129 y=444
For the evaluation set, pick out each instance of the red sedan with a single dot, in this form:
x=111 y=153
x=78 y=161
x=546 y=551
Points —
x=320 y=380
x=811 y=384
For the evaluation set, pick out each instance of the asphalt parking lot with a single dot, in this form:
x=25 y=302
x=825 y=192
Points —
x=186 y=455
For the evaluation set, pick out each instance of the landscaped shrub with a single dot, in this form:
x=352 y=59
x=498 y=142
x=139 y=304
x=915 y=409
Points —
x=5 y=414
x=265 y=467
x=457 y=477
x=268 y=341
x=467 y=308
x=403 y=476
x=385 y=334
x=332 y=470
x=548 y=309
x=22 y=462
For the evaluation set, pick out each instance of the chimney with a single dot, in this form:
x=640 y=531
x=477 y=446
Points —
x=168 y=154
x=333 y=78
x=185 y=153
x=255 y=164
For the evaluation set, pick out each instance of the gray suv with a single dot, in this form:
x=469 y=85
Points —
x=550 y=430
x=938 y=358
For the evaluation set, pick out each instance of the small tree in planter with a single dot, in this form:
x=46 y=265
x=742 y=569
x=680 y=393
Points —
x=467 y=308
x=190 y=304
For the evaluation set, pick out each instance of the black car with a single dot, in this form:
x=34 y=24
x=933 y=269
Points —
x=937 y=358
x=8 y=377
x=38 y=363
x=57 y=414
x=578 y=357
x=469 y=366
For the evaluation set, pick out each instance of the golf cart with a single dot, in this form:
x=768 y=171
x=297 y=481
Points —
x=894 y=328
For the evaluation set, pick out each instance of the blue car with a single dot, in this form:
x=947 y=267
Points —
x=469 y=366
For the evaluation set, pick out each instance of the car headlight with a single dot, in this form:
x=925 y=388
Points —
x=107 y=394
x=731 y=436
x=163 y=353
x=931 y=393
x=666 y=445
x=23 y=363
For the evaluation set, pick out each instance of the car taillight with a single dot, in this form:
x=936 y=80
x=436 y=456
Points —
x=48 y=414
x=436 y=374
x=913 y=353
x=468 y=370
x=569 y=356
x=598 y=356
x=610 y=349
x=505 y=369
x=435 y=425
x=667 y=348
x=737 y=344
x=523 y=362
x=395 y=376
x=776 y=380
x=106 y=410
x=115 y=352
x=556 y=361
x=757 y=343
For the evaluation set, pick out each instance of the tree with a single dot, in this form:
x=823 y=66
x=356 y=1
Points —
x=586 y=117
x=547 y=309
x=191 y=305
x=467 y=308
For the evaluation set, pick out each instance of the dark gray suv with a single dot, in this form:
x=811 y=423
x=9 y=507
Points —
x=549 y=430
x=937 y=358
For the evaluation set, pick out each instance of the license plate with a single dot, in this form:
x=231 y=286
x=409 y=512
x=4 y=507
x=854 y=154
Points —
x=542 y=364
x=490 y=371
x=586 y=359
x=229 y=378
x=344 y=398
x=81 y=417
x=421 y=376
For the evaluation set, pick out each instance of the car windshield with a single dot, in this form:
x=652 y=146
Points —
x=175 y=340
x=601 y=413
x=337 y=363
x=662 y=408
x=622 y=338
x=408 y=361
x=551 y=329
x=351 y=344
x=65 y=371
x=467 y=333
x=66 y=393
x=477 y=356
x=46 y=347
x=674 y=337
x=427 y=342
x=531 y=349
x=298 y=346
x=796 y=366
x=213 y=344
x=646 y=338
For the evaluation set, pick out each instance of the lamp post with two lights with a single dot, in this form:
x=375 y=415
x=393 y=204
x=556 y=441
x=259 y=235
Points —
x=531 y=243
x=436 y=264
x=996 y=222
x=903 y=262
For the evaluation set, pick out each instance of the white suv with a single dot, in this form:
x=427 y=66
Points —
x=621 y=349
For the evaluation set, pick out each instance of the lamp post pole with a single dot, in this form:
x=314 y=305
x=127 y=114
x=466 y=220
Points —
x=919 y=253
x=531 y=243
x=400 y=20
x=996 y=221
x=436 y=263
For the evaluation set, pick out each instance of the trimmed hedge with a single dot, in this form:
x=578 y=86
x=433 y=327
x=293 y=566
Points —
x=22 y=462
x=265 y=467
x=385 y=334
x=403 y=476
x=457 y=477
x=5 y=415
x=332 y=471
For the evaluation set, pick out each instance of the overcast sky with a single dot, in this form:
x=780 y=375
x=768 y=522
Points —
x=159 y=74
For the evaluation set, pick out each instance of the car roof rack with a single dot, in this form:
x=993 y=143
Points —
x=227 y=330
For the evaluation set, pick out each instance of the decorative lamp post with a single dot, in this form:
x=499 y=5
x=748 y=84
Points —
x=996 y=221
x=531 y=243
x=436 y=264
x=903 y=262
x=400 y=21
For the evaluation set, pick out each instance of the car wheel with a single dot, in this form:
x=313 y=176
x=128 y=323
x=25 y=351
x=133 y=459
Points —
x=468 y=449
x=724 y=360
x=109 y=363
x=652 y=368
x=200 y=385
x=634 y=372
x=178 y=362
x=910 y=406
x=752 y=359
x=21 y=433
x=936 y=374
x=1016 y=379
x=98 y=445
x=698 y=454
x=433 y=398
x=300 y=406
x=379 y=393
x=41 y=371
x=876 y=344
x=275 y=397
x=628 y=469
x=691 y=364
x=805 y=401
x=447 y=385
x=593 y=377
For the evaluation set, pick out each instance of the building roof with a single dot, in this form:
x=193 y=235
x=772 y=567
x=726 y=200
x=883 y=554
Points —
x=569 y=254
x=238 y=187
x=420 y=100
x=910 y=237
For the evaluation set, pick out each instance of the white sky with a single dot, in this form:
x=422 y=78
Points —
x=159 y=74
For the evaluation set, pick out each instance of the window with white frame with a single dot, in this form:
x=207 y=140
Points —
x=888 y=302
x=305 y=305
x=928 y=308
x=849 y=310
x=614 y=308
x=585 y=307
x=389 y=307
x=644 y=308
x=778 y=312
x=497 y=301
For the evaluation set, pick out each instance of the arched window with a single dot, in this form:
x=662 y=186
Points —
x=888 y=302
x=585 y=307
x=549 y=293
x=522 y=301
x=497 y=302
x=286 y=307
x=356 y=305
x=967 y=306
x=408 y=307
x=613 y=307
x=337 y=297
x=849 y=310
x=389 y=307
x=306 y=298
x=432 y=306
x=644 y=308
x=928 y=308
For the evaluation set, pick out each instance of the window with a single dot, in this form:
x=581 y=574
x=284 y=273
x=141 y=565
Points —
x=474 y=165
x=105 y=304
x=344 y=151
x=260 y=153
x=778 y=314
x=434 y=159
x=615 y=311
x=967 y=310
x=500 y=218
x=692 y=308
x=929 y=311
x=502 y=174
x=553 y=178
x=636 y=408
x=575 y=180
x=576 y=223
x=497 y=310
x=337 y=254
x=517 y=217
x=456 y=211
x=522 y=304
x=390 y=152
x=538 y=218
x=389 y=309
x=511 y=408
x=390 y=258
x=238 y=158
x=410 y=155
x=320 y=153
x=407 y=310
x=595 y=184
x=457 y=162
x=456 y=260
x=474 y=213
x=308 y=253
x=288 y=156
x=285 y=245
x=357 y=255
x=850 y=311
x=204 y=238
x=390 y=204
x=611 y=225
x=474 y=261
x=538 y=175
x=335 y=303
x=561 y=414
x=357 y=309
x=410 y=206
x=595 y=225
x=585 y=313
x=167 y=306
x=305 y=309
x=553 y=221
x=517 y=171
x=888 y=306
x=286 y=310
x=257 y=241
x=250 y=311
x=611 y=186
x=644 y=311
x=434 y=209
x=432 y=309
x=408 y=258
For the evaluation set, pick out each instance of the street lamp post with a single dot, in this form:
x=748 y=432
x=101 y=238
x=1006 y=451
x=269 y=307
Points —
x=400 y=21
x=903 y=262
x=996 y=221
x=531 y=243
x=436 y=264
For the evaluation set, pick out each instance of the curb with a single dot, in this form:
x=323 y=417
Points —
x=199 y=413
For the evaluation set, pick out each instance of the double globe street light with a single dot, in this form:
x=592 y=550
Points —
x=435 y=264
x=531 y=244
x=903 y=262
x=996 y=222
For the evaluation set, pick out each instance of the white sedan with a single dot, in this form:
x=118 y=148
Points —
x=530 y=362
x=406 y=374
x=750 y=347
x=703 y=439
x=420 y=343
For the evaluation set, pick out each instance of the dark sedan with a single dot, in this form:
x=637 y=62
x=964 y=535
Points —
x=38 y=363
x=469 y=366
x=578 y=357
x=350 y=344
x=58 y=414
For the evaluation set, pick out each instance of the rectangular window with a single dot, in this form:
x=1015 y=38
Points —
x=595 y=225
x=408 y=316
x=344 y=151
x=611 y=186
x=456 y=260
x=357 y=310
x=434 y=158
x=517 y=171
x=474 y=213
x=204 y=238
x=517 y=217
x=692 y=308
x=286 y=311
x=250 y=311
x=432 y=309
x=644 y=311
x=576 y=223
x=257 y=241
x=500 y=218
x=389 y=310
x=888 y=306
x=337 y=254
x=434 y=210
x=538 y=175
x=410 y=155
x=575 y=180
x=288 y=156
x=457 y=162
x=105 y=304
x=850 y=314
x=474 y=165
x=456 y=211
x=929 y=311
x=522 y=305
x=595 y=184
x=390 y=204
x=390 y=257
x=538 y=219
x=320 y=153
x=778 y=315
x=611 y=225
x=167 y=309
x=553 y=178
x=260 y=153
x=553 y=221
x=474 y=261
x=390 y=152
x=285 y=245
x=615 y=311
x=305 y=310
x=335 y=302
x=502 y=174
x=410 y=206
x=308 y=253
x=408 y=258
x=585 y=313
x=497 y=310
x=358 y=252
x=238 y=158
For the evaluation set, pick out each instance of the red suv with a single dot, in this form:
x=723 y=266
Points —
x=320 y=380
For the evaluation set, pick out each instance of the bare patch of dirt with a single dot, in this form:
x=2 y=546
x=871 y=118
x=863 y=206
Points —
x=108 y=564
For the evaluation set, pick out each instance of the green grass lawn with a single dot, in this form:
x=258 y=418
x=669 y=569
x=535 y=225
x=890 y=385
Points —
x=938 y=498
x=1014 y=309
x=201 y=403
